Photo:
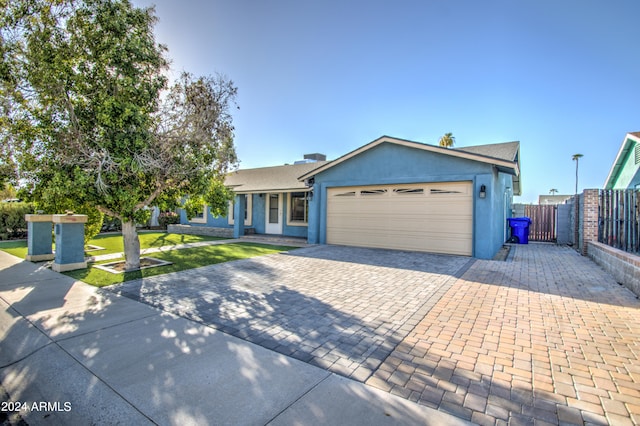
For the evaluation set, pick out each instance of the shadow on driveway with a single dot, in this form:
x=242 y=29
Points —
x=343 y=309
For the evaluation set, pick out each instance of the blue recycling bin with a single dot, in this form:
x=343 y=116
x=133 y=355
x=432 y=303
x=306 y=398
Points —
x=519 y=229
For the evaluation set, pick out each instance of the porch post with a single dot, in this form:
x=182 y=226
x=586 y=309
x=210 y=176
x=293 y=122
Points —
x=239 y=206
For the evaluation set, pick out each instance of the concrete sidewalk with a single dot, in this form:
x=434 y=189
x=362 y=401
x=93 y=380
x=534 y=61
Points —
x=74 y=354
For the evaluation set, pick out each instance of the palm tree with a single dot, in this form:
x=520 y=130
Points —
x=577 y=157
x=447 y=140
x=553 y=191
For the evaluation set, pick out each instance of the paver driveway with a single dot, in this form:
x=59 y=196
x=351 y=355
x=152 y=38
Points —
x=344 y=309
x=546 y=337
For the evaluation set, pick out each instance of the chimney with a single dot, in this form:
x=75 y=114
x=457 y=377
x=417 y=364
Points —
x=315 y=157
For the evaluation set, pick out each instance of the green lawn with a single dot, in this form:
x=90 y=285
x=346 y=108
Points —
x=112 y=243
x=16 y=248
x=182 y=259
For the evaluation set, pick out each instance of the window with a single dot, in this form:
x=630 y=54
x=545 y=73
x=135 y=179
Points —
x=366 y=192
x=410 y=191
x=637 y=153
x=247 y=211
x=444 y=191
x=200 y=216
x=298 y=208
x=274 y=208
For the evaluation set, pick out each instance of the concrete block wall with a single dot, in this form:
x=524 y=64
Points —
x=200 y=230
x=518 y=210
x=625 y=267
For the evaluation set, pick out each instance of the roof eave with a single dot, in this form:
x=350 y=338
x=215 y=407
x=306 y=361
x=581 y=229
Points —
x=270 y=190
x=619 y=161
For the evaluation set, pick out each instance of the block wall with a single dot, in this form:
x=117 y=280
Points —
x=625 y=267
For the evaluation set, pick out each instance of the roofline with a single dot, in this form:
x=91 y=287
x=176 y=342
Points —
x=417 y=145
x=615 y=167
x=271 y=191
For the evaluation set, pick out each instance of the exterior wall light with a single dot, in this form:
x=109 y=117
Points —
x=483 y=191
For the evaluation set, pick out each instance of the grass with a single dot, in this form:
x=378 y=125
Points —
x=112 y=243
x=182 y=260
x=16 y=248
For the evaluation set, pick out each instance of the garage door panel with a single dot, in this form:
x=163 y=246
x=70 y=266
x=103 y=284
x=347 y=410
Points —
x=435 y=217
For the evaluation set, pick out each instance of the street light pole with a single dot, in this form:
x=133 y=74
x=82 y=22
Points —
x=576 y=157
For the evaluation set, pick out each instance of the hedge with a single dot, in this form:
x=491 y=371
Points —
x=12 y=223
x=168 y=218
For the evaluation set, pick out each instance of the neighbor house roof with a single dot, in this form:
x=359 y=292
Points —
x=630 y=140
x=505 y=156
x=270 y=179
x=553 y=199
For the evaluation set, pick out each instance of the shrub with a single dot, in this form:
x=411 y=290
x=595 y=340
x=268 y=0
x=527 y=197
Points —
x=12 y=223
x=168 y=218
x=94 y=223
x=110 y=224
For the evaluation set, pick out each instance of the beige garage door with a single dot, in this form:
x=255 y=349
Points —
x=432 y=217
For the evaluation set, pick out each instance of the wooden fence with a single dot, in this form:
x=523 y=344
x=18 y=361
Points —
x=619 y=219
x=543 y=222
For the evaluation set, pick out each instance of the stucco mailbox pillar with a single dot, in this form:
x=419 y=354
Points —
x=69 y=233
x=39 y=245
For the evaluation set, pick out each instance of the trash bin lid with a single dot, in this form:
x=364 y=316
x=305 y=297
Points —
x=519 y=220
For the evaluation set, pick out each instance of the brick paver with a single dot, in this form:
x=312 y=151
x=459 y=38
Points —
x=545 y=338
x=344 y=309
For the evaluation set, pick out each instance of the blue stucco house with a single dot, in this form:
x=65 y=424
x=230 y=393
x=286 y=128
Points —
x=390 y=193
x=625 y=171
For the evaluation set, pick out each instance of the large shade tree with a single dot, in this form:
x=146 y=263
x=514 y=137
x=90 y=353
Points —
x=88 y=114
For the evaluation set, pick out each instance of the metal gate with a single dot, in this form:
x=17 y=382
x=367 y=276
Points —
x=543 y=222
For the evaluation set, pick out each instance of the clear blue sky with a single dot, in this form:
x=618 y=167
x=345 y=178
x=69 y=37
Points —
x=562 y=77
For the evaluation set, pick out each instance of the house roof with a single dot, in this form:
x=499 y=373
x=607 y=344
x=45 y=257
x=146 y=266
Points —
x=628 y=144
x=505 y=156
x=270 y=179
x=553 y=199
x=504 y=151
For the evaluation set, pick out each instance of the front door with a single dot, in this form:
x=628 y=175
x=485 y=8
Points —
x=274 y=214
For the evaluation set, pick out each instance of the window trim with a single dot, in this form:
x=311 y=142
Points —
x=289 y=210
x=203 y=219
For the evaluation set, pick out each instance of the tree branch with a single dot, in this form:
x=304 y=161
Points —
x=109 y=212
x=150 y=198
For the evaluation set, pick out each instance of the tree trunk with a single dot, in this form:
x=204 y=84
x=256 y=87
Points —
x=131 y=245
